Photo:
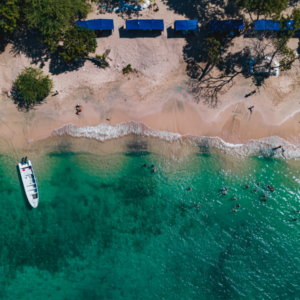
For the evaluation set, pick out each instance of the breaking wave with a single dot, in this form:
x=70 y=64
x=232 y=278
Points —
x=104 y=132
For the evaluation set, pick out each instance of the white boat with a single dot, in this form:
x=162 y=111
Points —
x=29 y=182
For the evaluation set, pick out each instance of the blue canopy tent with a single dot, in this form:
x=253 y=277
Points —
x=225 y=25
x=266 y=25
x=272 y=25
x=186 y=25
x=145 y=24
x=259 y=25
x=97 y=24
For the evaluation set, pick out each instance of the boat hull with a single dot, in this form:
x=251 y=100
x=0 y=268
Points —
x=29 y=183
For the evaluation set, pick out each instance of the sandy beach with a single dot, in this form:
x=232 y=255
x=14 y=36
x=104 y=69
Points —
x=161 y=94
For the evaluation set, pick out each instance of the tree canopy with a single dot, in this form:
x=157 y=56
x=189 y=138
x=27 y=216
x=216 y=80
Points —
x=32 y=86
x=53 y=21
x=9 y=15
x=77 y=43
x=53 y=17
x=266 y=8
x=213 y=50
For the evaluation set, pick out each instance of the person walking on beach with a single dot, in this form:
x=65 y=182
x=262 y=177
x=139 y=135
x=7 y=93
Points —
x=251 y=108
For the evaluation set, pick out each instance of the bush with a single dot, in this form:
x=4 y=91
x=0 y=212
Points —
x=102 y=60
x=127 y=69
x=32 y=86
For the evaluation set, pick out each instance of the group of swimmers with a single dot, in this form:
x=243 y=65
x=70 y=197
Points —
x=271 y=189
x=152 y=166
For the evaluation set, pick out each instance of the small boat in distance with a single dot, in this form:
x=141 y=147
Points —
x=29 y=182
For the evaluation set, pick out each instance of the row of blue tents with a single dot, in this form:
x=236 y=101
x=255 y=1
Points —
x=182 y=25
x=239 y=25
x=151 y=24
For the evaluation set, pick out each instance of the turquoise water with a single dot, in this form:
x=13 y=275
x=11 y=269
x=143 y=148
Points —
x=106 y=228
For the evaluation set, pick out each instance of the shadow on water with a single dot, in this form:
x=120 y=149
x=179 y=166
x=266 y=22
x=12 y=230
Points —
x=27 y=204
x=137 y=148
x=62 y=154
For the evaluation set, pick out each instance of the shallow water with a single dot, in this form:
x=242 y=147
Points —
x=106 y=228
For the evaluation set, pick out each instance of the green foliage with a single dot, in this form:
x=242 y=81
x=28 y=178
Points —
x=266 y=8
x=32 y=85
x=213 y=50
x=9 y=15
x=127 y=69
x=78 y=42
x=53 y=17
x=280 y=42
x=103 y=62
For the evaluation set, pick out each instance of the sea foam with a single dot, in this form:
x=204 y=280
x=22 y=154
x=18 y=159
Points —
x=104 y=132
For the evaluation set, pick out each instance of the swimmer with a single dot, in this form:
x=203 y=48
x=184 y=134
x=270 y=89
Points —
x=238 y=205
x=298 y=211
x=265 y=195
x=153 y=166
x=264 y=200
x=234 y=198
x=258 y=183
x=269 y=186
x=153 y=171
x=272 y=190
x=197 y=205
x=254 y=191
x=295 y=219
x=234 y=210
x=224 y=193
x=144 y=165
x=246 y=187
x=189 y=189
x=223 y=189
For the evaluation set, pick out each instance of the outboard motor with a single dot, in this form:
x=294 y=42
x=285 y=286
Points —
x=22 y=161
x=26 y=162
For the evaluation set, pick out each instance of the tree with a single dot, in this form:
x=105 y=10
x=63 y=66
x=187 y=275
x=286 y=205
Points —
x=213 y=50
x=53 y=18
x=277 y=46
x=32 y=86
x=266 y=8
x=78 y=42
x=9 y=15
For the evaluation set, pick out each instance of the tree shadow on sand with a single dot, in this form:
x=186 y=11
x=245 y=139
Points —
x=23 y=106
x=26 y=42
x=210 y=81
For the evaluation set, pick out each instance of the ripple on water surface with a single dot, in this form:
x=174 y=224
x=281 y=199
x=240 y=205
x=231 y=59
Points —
x=107 y=228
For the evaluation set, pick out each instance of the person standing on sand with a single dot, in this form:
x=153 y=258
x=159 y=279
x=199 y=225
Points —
x=251 y=108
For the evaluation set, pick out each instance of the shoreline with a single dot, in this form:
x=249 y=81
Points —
x=234 y=127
